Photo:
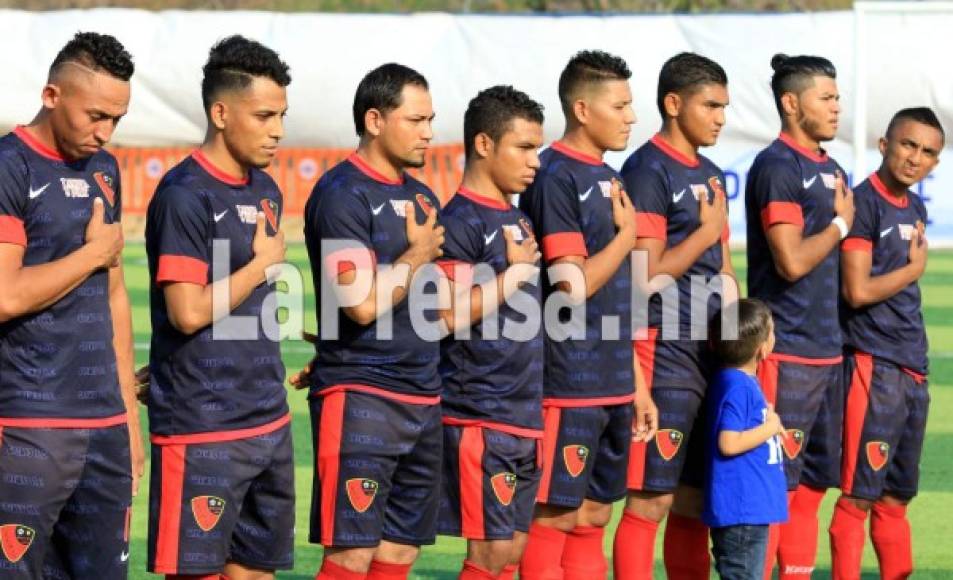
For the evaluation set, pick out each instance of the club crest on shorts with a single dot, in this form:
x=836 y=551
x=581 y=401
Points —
x=504 y=486
x=207 y=510
x=361 y=492
x=793 y=442
x=105 y=183
x=668 y=441
x=574 y=456
x=270 y=207
x=424 y=203
x=877 y=454
x=15 y=540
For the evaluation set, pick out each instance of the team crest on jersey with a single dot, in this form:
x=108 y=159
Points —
x=105 y=183
x=877 y=454
x=361 y=492
x=248 y=214
x=699 y=191
x=270 y=207
x=15 y=540
x=424 y=202
x=668 y=441
x=575 y=456
x=526 y=227
x=504 y=486
x=715 y=183
x=74 y=187
x=514 y=231
x=793 y=442
x=207 y=510
x=606 y=188
x=906 y=231
x=829 y=179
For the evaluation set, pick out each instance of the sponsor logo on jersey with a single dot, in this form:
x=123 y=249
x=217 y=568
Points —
x=74 y=187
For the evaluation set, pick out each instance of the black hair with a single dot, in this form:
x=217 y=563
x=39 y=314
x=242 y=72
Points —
x=588 y=67
x=99 y=52
x=793 y=74
x=234 y=62
x=754 y=327
x=923 y=115
x=381 y=89
x=686 y=72
x=492 y=111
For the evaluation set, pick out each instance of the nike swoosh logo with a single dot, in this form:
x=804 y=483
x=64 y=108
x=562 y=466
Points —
x=219 y=216
x=377 y=210
x=35 y=193
x=809 y=182
x=124 y=556
x=585 y=196
x=489 y=239
x=886 y=232
x=677 y=197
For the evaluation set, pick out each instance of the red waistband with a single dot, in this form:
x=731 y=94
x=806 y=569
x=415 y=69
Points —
x=918 y=377
x=803 y=360
x=221 y=436
x=369 y=390
x=65 y=423
x=501 y=427
x=593 y=402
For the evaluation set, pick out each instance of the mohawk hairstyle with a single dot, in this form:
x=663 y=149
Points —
x=99 y=52
x=589 y=67
x=233 y=63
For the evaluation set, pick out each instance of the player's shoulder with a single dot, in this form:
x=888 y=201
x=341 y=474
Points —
x=916 y=201
x=710 y=166
x=647 y=158
x=180 y=186
x=12 y=156
x=774 y=156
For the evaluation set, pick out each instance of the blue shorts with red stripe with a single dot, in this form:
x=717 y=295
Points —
x=377 y=467
x=809 y=397
x=65 y=502
x=490 y=479
x=214 y=499
x=585 y=452
x=884 y=427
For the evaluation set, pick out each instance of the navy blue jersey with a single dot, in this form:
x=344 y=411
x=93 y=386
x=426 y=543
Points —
x=491 y=379
x=790 y=184
x=665 y=187
x=200 y=384
x=58 y=362
x=893 y=329
x=571 y=212
x=355 y=204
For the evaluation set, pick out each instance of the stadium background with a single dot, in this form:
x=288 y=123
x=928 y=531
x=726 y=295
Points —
x=905 y=57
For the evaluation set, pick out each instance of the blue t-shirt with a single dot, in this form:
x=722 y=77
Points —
x=746 y=489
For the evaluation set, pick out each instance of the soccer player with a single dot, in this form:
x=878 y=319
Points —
x=222 y=487
x=586 y=225
x=375 y=388
x=70 y=445
x=798 y=208
x=681 y=209
x=493 y=382
x=882 y=259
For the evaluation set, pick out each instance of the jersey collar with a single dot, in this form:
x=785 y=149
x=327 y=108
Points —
x=215 y=172
x=672 y=152
x=893 y=200
x=35 y=144
x=369 y=171
x=482 y=199
x=790 y=142
x=577 y=155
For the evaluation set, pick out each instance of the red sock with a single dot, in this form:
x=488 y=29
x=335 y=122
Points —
x=583 y=555
x=890 y=532
x=847 y=540
x=633 y=551
x=508 y=573
x=687 y=556
x=388 y=571
x=542 y=559
x=472 y=571
x=771 y=556
x=332 y=571
x=798 y=547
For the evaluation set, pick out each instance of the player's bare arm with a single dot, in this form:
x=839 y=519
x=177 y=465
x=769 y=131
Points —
x=190 y=306
x=861 y=289
x=677 y=260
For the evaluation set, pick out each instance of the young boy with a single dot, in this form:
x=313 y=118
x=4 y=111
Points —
x=745 y=490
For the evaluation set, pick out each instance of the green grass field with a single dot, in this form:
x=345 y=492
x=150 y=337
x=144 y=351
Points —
x=931 y=513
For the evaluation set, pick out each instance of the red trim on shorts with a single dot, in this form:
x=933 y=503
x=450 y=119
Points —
x=365 y=168
x=672 y=152
x=36 y=145
x=501 y=427
x=221 y=436
x=170 y=510
x=483 y=200
x=645 y=353
x=210 y=168
x=812 y=155
x=892 y=199
x=12 y=230
x=857 y=245
x=594 y=402
x=782 y=212
x=54 y=423
x=919 y=378
x=577 y=155
x=470 y=462
x=651 y=225
x=1 y=437
x=768 y=378
x=855 y=415
x=551 y=417
x=803 y=360
x=563 y=244
x=351 y=259
x=329 y=459
x=368 y=390
x=173 y=268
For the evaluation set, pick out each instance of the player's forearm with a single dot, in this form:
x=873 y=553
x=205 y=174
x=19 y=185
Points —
x=873 y=289
x=34 y=288
x=506 y=285
x=123 y=346
x=397 y=278
x=189 y=314
x=726 y=265
x=797 y=260
x=678 y=259
x=599 y=269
